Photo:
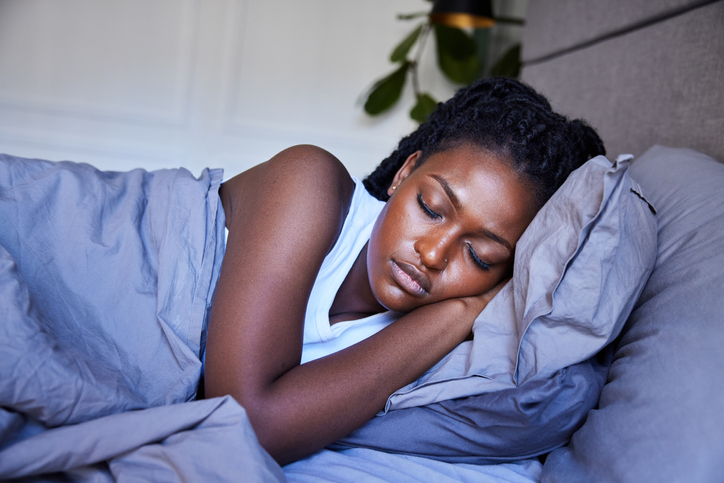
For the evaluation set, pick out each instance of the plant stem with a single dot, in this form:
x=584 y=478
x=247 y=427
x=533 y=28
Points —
x=411 y=16
x=418 y=55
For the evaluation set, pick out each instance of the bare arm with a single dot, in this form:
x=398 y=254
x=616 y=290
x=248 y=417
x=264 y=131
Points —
x=283 y=218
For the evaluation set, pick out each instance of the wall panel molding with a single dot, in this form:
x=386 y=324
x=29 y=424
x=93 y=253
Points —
x=53 y=88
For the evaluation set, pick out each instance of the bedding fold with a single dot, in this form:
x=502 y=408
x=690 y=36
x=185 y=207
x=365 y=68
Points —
x=119 y=270
x=106 y=281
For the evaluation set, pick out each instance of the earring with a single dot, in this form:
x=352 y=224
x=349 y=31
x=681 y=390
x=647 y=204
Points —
x=394 y=188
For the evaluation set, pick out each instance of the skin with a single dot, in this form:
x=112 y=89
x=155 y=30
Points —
x=283 y=218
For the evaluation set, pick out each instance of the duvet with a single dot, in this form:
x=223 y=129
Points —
x=106 y=281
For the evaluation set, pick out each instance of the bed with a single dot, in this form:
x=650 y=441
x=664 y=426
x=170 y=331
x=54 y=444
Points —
x=642 y=402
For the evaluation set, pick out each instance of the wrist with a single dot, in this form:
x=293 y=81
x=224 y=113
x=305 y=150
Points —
x=459 y=313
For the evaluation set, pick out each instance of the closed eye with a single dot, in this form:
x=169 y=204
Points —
x=426 y=209
x=478 y=262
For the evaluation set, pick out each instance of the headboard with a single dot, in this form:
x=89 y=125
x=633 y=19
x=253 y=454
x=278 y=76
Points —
x=640 y=72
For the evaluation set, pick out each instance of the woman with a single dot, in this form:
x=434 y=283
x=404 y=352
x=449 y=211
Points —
x=460 y=192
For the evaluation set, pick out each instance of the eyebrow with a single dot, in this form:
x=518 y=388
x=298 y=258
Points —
x=458 y=206
x=448 y=191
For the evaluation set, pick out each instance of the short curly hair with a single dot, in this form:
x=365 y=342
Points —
x=508 y=118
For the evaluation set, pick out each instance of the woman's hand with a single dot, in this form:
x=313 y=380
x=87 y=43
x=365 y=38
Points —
x=479 y=302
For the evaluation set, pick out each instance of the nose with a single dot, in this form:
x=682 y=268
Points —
x=432 y=250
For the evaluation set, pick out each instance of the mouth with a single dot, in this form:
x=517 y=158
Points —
x=410 y=278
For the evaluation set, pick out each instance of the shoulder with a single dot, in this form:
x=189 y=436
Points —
x=309 y=165
x=298 y=167
x=305 y=180
x=307 y=156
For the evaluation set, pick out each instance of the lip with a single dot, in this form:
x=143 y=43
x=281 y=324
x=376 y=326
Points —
x=410 y=278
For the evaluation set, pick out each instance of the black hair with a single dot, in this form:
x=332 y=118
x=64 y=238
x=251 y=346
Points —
x=508 y=118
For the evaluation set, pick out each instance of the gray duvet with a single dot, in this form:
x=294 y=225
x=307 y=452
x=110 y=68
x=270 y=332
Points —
x=105 y=285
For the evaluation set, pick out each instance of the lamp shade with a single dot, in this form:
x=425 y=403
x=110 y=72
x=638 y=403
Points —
x=463 y=13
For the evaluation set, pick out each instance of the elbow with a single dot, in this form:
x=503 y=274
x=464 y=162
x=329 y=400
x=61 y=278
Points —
x=277 y=435
x=266 y=419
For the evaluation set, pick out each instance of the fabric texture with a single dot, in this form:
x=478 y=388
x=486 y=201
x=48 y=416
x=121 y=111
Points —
x=321 y=338
x=579 y=268
x=660 y=414
x=100 y=251
x=512 y=424
x=656 y=85
x=209 y=440
x=356 y=465
x=105 y=284
x=544 y=36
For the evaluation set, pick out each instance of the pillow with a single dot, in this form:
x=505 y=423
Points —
x=503 y=426
x=660 y=415
x=579 y=268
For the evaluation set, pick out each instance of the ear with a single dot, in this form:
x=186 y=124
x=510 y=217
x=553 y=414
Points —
x=407 y=167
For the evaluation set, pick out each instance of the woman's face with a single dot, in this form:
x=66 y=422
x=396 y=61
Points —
x=448 y=230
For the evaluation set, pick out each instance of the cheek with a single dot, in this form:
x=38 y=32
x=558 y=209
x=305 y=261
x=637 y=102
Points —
x=378 y=242
x=387 y=241
x=389 y=233
x=378 y=249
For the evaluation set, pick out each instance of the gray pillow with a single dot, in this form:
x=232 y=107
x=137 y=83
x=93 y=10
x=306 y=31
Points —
x=503 y=426
x=660 y=417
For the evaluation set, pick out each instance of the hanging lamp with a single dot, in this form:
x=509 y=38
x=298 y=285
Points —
x=463 y=13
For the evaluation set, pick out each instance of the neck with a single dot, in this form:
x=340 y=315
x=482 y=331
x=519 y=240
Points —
x=355 y=299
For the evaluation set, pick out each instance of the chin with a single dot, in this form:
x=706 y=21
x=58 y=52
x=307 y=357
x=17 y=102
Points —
x=386 y=300
x=402 y=304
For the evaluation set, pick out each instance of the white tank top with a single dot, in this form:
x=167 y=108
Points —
x=321 y=338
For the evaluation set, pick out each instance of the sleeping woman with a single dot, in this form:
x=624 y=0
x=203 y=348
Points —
x=318 y=265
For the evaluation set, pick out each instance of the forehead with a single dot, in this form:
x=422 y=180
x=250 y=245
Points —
x=486 y=186
x=468 y=159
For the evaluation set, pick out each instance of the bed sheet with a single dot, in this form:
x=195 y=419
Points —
x=371 y=466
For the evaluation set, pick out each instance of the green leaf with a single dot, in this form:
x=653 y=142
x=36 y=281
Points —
x=455 y=42
x=462 y=72
x=400 y=52
x=457 y=54
x=424 y=107
x=509 y=64
x=386 y=91
x=482 y=39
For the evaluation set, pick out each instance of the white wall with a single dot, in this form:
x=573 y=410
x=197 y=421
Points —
x=195 y=83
